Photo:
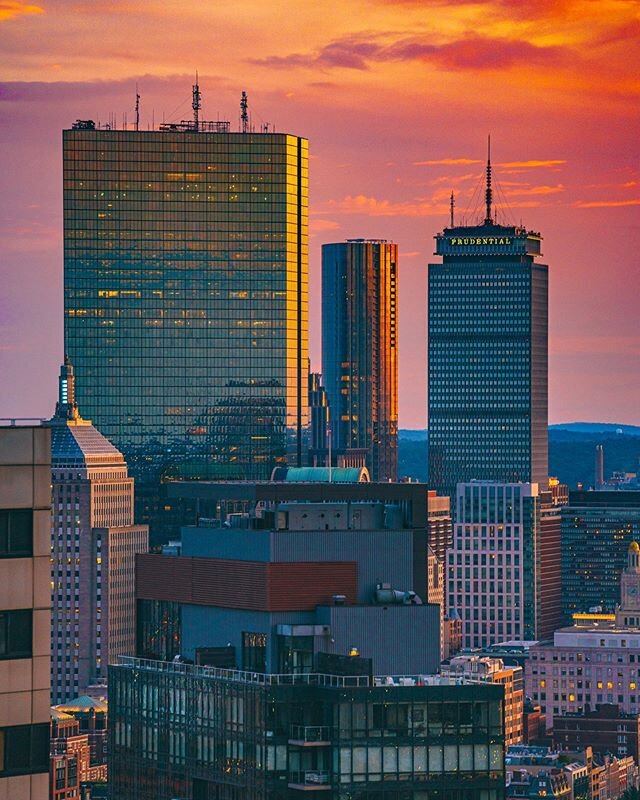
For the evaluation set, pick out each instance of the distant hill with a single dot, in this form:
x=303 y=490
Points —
x=571 y=451
x=596 y=428
x=412 y=436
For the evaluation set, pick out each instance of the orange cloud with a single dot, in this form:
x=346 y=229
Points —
x=526 y=164
x=372 y=207
x=605 y=203
x=13 y=8
x=447 y=161
x=320 y=225
x=536 y=190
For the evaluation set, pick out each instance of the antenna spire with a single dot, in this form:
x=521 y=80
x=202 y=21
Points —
x=244 y=114
x=488 y=220
x=196 y=103
x=137 y=108
x=452 y=205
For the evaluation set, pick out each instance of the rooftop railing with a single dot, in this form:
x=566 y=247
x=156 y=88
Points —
x=288 y=679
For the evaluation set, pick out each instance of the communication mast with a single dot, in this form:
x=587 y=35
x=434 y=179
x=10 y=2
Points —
x=488 y=220
x=137 y=108
x=196 y=103
x=452 y=205
x=244 y=114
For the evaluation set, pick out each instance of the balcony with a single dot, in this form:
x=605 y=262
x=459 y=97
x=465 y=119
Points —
x=310 y=781
x=309 y=735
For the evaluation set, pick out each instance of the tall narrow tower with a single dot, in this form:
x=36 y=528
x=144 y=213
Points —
x=360 y=351
x=488 y=350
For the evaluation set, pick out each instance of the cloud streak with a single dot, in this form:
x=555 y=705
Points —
x=472 y=52
x=605 y=203
x=9 y=9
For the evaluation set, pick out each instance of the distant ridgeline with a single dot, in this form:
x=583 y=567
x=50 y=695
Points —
x=571 y=451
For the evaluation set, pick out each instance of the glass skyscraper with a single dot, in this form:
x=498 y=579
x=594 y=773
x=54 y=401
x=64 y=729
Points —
x=488 y=350
x=360 y=351
x=186 y=295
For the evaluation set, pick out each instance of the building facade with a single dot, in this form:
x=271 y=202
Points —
x=360 y=350
x=189 y=244
x=596 y=531
x=200 y=733
x=290 y=581
x=314 y=652
x=502 y=563
x=487 y=357
x=25 y=611
x=606 y=729
x=494 y=670
x=594 y=662
x=93 y=546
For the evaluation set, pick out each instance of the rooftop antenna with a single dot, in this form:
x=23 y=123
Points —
x=137 y=108
x=452 y=205
x=489 y=193
x=196 y=103
x=244 y=115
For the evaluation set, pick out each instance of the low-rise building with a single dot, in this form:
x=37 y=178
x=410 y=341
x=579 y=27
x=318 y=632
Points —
x=493 y=670
x=606 y=729
x=550 y=784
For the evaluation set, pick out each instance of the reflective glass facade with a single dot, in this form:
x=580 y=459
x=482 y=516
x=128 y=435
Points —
x=186 y=283
x=596 y=531
x=488 y=351
x=360 y=350
x=203 y=733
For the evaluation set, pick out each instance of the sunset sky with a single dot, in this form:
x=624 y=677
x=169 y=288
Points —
x=396 y=99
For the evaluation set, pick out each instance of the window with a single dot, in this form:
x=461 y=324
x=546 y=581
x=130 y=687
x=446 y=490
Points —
x=16 y=634
x=16 y=533
x=24 y=749
x=254 y=652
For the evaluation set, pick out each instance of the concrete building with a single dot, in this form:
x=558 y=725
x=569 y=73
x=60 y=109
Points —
x=93 y=546
x=360 y=350
x=25 y=612
x=503 y=562
x=272 y=589
x=595 y=661
x=596 y=531
x=493 y=670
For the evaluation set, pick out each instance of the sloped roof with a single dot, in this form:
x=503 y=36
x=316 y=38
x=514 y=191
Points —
x=80 y=444
x=83 y=703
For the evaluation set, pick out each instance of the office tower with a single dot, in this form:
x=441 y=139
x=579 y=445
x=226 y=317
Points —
x=596 y=530
x=313 y=659
x=487 y=343
x=599 y=467
x=601 y=652
x=360 y=350
x=93 y=546
x=504 y=542
x=186 y=298
x=25 y=612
